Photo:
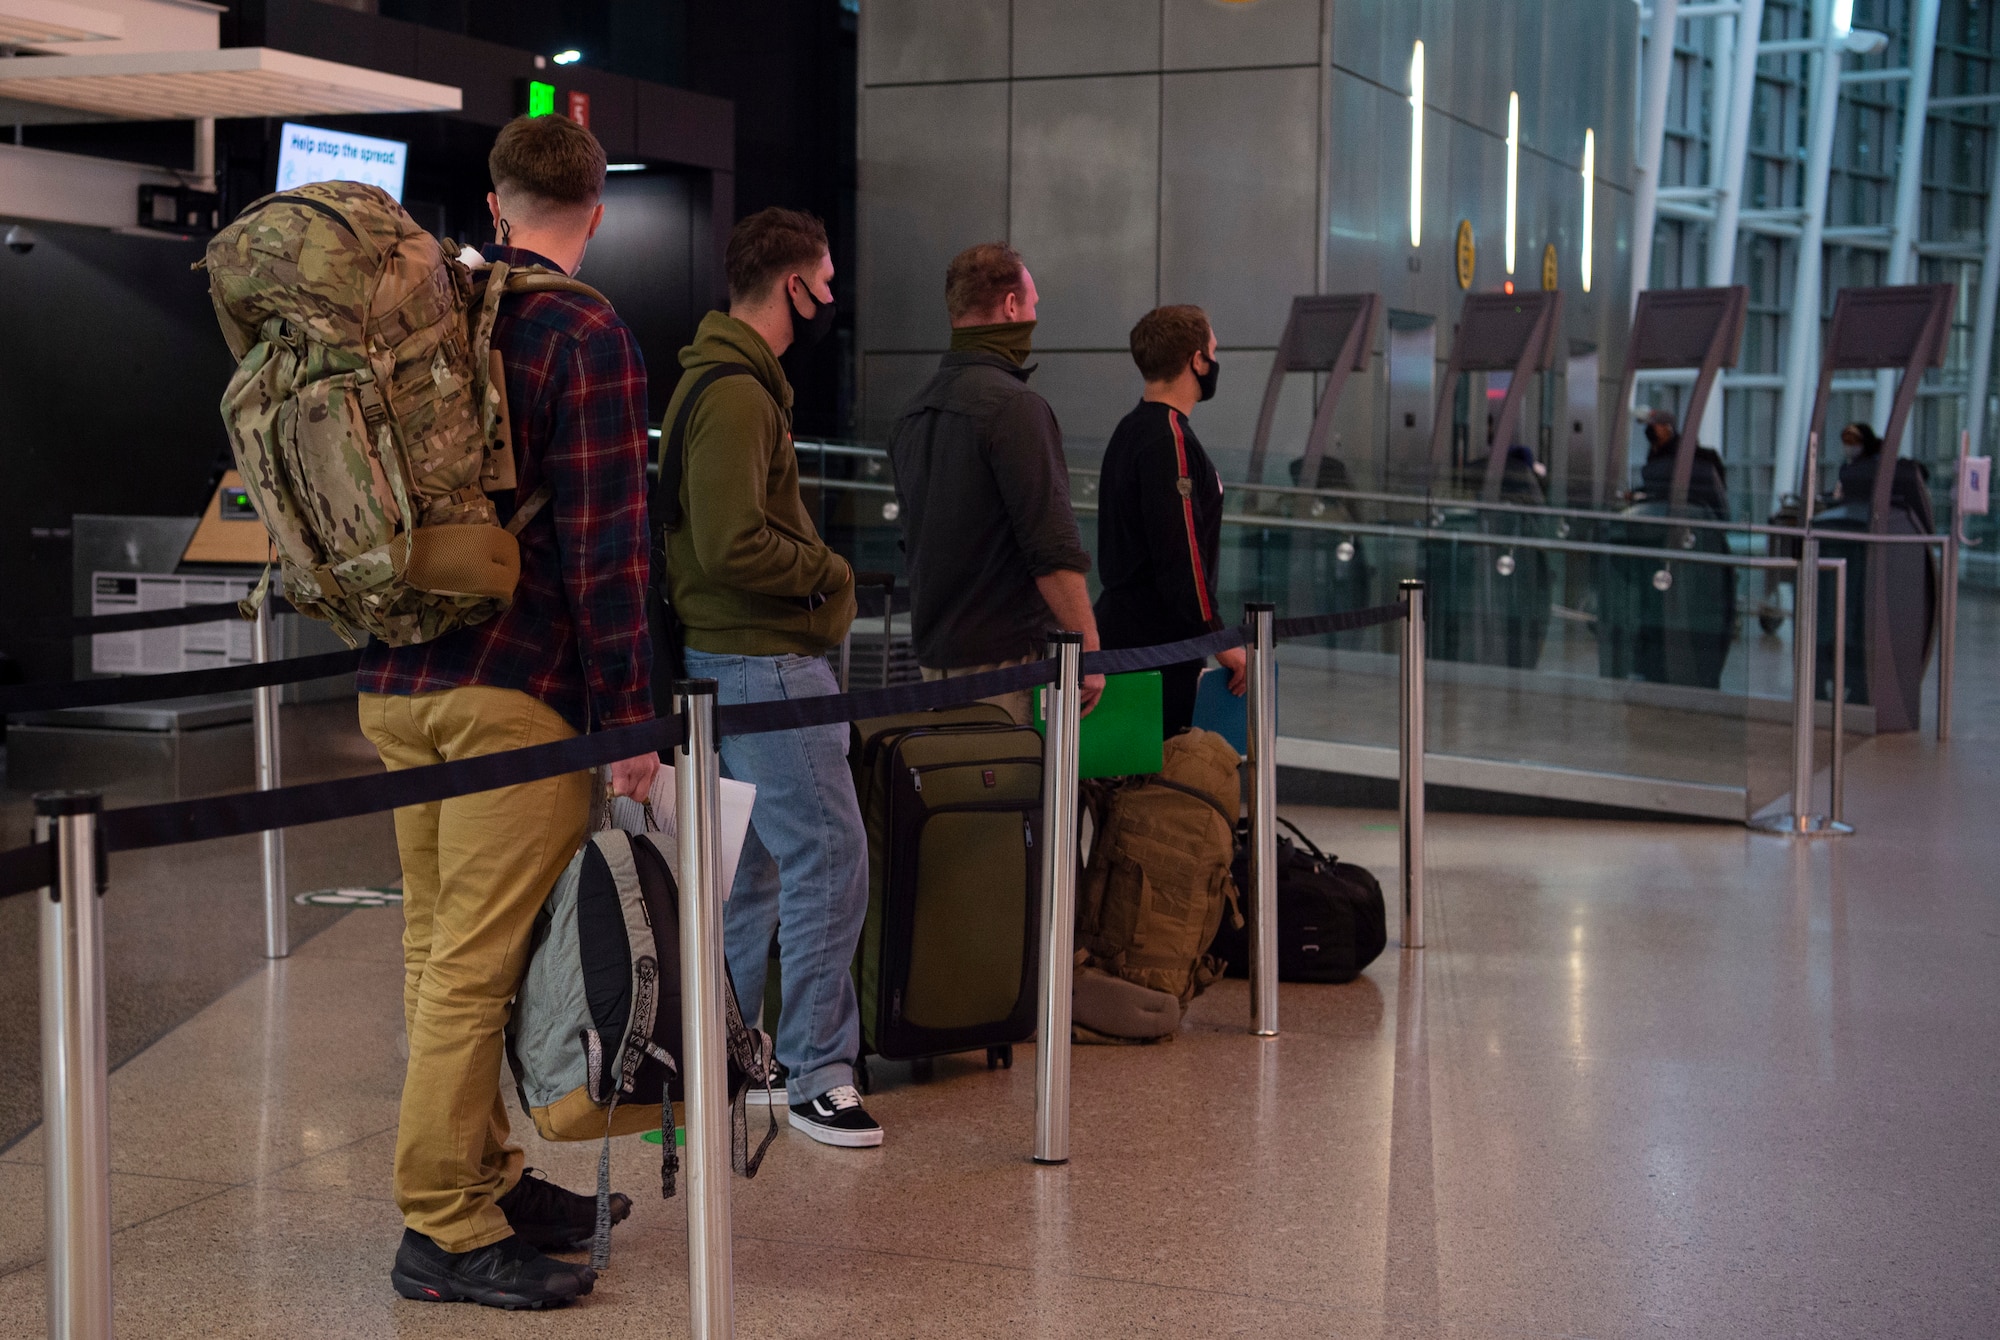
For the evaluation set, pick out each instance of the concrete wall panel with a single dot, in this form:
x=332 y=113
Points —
x=928 y=41
x=1085 y=203
x=924 y=197
x=1239 y=196
x=1204 y=35
x=1063 y=37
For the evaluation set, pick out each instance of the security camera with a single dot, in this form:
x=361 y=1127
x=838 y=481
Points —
x=20 y=241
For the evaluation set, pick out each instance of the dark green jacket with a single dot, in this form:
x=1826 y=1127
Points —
x=746 y=564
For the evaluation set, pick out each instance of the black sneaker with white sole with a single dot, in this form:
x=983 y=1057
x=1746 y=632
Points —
x=508 y=1274
x=836 y=1117
x=774 y=1096
x=551 y=1218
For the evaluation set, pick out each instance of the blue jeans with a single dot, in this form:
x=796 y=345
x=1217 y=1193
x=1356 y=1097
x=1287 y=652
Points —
x=804 y=870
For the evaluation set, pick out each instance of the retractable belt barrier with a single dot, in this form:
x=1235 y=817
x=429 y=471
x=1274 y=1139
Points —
x=168 y=823
x=178 y=684
x=138 y=621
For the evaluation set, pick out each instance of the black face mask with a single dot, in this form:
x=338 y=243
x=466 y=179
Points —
x=1206 y=380
x=810 y=330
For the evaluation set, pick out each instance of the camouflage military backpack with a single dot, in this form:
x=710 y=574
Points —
x=1156 y=889
x=368 y=413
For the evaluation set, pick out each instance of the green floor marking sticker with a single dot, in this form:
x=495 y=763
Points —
x=1382 y=828
x=350 y=898
x=680 y=1137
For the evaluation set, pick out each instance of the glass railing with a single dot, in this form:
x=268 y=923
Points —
x=1626 y=660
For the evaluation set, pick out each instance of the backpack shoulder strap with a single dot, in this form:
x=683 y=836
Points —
x=1202 y=796
x=665 y=508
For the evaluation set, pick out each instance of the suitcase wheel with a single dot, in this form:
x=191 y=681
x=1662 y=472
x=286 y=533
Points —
x=862 y=1079
x=1000 y=1058
x=922 y=1069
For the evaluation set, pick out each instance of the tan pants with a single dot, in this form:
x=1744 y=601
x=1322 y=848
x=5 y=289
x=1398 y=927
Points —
x=1019 y=704
x=476 y=870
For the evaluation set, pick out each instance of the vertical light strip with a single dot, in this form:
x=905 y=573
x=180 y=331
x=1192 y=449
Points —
x=1416 y=144
x=1513 y=171
x=1843 y=17
x=1589 y=201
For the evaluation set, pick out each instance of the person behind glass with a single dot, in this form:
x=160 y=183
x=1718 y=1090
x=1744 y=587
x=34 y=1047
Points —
x=1909 y=487
x=763 y=600
x=1707 y=484
x=1159 y=518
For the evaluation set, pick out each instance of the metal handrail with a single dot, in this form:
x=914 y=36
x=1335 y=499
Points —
x=1435 y=501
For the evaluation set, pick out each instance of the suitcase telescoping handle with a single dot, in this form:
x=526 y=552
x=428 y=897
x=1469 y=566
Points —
x=887 y=581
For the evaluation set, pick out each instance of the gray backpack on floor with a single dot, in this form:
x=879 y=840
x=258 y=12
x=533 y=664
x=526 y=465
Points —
x=595 y=1037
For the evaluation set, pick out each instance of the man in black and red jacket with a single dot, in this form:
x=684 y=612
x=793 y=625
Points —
x=1159 y=522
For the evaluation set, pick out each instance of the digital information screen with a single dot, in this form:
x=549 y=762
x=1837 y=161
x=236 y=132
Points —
x=308 y=154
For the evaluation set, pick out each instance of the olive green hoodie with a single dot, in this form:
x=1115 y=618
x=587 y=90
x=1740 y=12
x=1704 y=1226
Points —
x=747 y=562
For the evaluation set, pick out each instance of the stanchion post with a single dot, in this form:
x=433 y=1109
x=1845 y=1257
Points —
x=264 y=716
x=1801 y=821
x=1411 y=760
x=76 y=1133
x=1837 y=798
x=1260 y=619
x=704 y=1063
x=1059 y=859
x=1947 y=627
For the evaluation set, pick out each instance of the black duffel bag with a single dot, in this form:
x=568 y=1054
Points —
x=1331 y=920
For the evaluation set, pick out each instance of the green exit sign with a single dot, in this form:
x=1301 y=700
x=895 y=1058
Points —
x=541 y=99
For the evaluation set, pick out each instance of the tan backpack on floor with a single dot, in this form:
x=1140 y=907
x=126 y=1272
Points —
x=368 y=412
x=1156 y=889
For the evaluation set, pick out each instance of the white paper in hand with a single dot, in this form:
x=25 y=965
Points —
x=737 y=797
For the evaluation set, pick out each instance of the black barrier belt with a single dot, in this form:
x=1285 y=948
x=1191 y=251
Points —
x=178 y=821
x=181 y=684
x=798 y=713
x=1344 y=622
x=137 y=621
x=33 y=867
x=25 y=869
x=1129 y=659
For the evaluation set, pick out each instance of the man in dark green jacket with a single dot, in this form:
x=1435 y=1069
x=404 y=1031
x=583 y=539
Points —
x=763 y=600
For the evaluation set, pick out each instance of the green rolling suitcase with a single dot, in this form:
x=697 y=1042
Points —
x=949 y=956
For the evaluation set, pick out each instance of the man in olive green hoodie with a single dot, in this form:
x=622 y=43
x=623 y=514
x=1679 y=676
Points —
x=763 y=600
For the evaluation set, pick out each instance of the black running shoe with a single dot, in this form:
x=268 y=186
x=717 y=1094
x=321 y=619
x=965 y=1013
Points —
x=758 y=1095
x=836 y=1117
x=552 y=1219
x=508 y=1273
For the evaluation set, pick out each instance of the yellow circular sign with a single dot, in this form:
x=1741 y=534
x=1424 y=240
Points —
x=1549 y=267
x=1468 y=253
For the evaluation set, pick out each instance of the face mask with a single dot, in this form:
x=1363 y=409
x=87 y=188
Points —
x=810 y=330
x=1206 y=380
x=1852 y=450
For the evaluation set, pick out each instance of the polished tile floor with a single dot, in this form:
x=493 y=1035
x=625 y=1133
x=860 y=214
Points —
x=1646 y=1079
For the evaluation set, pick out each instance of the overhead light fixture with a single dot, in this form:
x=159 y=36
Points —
x=1513 y=171
x=1589 y=202
x=1843 y=17
x=1416 y=144
x=570 y=57
x=624 y=167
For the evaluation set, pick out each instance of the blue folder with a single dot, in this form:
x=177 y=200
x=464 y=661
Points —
x=1219 y=710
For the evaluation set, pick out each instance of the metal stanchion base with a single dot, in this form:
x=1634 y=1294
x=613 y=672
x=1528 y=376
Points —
x=1796 y=825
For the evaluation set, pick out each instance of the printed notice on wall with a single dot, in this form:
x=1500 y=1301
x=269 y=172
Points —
x=308 y=154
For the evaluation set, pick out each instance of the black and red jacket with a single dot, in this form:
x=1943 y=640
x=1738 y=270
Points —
x=1158 y=538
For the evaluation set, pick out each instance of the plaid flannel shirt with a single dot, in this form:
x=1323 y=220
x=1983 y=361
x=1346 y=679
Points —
x=575 y=636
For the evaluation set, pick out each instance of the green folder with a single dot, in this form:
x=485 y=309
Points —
x=1122 y=736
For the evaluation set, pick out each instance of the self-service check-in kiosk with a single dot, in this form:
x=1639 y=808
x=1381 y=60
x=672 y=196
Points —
x=1333 y=334
x=1892 y=589
x=1490 y=603
x=1658 y=621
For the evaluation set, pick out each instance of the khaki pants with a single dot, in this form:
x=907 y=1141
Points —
x=1019 y=704
x=476 y=871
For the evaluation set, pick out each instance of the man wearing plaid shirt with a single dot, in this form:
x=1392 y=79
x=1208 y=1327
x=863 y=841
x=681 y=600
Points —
x=571 y=654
